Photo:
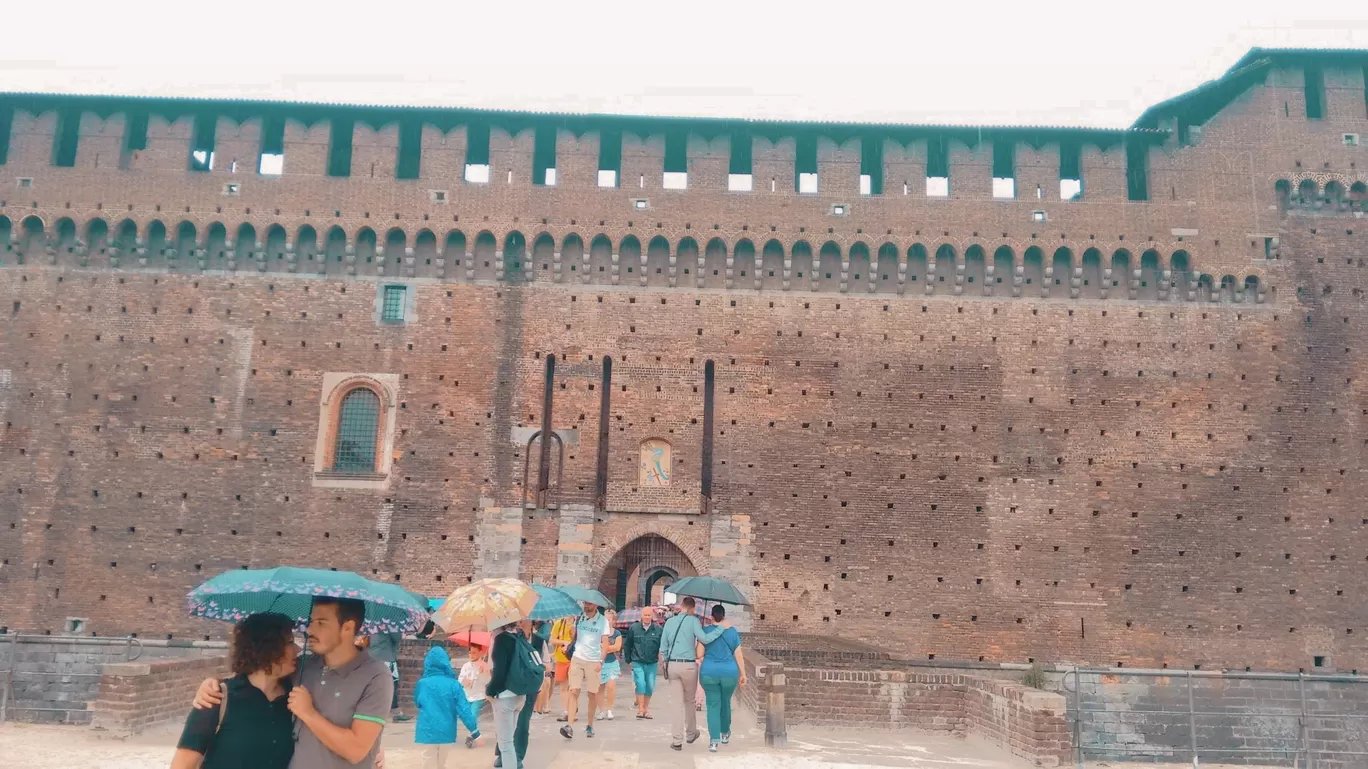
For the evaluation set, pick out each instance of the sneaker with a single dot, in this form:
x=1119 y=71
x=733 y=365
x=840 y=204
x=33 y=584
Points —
x=726 y=738
x=400 y=718
x=588 y=731
x=567 y=731
x=564 y=717
x=712 y=746
x=676 y=746
x=609 y=715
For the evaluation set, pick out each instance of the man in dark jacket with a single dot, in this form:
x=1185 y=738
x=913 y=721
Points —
x=641 y=648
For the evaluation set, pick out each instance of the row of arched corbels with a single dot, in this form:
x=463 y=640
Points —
x=1322 y=191
x=944 y=267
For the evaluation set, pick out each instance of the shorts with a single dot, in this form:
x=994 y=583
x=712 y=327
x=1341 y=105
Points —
x=611 y=671
x=584 y=676
x=644 y=677
x=562 y=671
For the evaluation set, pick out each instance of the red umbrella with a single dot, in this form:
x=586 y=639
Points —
x=468 y=637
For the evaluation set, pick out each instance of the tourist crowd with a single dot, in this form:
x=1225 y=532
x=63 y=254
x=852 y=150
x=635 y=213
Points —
x=327 y=709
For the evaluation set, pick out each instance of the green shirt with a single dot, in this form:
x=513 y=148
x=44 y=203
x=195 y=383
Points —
x=256 y=733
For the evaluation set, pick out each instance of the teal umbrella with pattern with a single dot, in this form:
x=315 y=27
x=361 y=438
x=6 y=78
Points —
x=235 y=595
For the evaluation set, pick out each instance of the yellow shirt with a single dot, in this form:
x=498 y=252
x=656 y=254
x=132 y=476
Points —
x=563 y=630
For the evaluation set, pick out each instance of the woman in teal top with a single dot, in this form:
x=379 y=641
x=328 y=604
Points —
x=720 y=671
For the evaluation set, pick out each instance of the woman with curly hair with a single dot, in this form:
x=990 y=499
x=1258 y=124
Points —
x=252 y=728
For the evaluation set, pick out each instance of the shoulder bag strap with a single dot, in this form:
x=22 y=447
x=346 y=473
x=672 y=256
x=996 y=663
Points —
x=223 y=707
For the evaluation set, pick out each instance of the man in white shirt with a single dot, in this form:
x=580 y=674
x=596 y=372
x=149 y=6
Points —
x=586 y=665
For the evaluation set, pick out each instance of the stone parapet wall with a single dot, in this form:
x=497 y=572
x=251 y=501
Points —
x=137 y=695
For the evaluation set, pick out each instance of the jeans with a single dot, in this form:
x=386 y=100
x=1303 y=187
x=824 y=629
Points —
x=644 y=678
x=520 y=732
x=506 y=722
x=719 y=690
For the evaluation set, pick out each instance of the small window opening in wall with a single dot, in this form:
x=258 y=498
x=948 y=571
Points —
x=1315 y=93
x=272 y=164
x=202 y=143
x=544 y=155
x=510 y=176
x=1268 y=248
x=641 y=204
x=839 y=210
x=1319 y=661
x=1351 y=140
x=807 y=184
x=1004 y=170
x=437 y=196
x=1038 y=216
x=392 y=308
x=937 y=186
x=232 y=189
x=740 y=182
x=24 y=182
x=676 y=160
x=75 y=625
x=610 y=158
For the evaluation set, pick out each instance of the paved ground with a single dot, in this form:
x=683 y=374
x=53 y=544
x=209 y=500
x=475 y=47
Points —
x=624 y=743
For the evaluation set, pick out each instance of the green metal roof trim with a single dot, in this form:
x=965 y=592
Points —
x=515 y=122
x=1199 y=105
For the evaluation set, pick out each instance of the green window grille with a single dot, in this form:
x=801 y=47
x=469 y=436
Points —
x=392 y=311
x=357 y=430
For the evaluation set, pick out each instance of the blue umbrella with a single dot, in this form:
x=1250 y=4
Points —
x=553 y=604
x=235 y=595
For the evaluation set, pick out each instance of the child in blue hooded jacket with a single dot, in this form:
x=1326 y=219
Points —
x=441 y=700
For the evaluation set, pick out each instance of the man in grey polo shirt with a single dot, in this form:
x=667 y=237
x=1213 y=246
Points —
x=343 y=696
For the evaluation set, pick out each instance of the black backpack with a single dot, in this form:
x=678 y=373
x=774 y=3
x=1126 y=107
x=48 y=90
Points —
x=526 y=672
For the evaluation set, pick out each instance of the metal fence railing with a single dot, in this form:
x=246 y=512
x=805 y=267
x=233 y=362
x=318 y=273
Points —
x=1271 y=719
x=14 y=678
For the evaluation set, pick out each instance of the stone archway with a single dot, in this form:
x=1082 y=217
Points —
x=633 y=573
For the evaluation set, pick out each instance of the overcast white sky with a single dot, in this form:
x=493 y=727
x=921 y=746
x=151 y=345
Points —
x=1096 y=63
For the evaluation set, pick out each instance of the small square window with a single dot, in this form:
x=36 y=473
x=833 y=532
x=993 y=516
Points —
x=24 y=182
x=272 y=164
x=438 y=196
x=1351 y=140
x=840 y=209
x=232 y=189
x=392 y=308
x=1038 y=216
x=641 y=204
x=607 y=178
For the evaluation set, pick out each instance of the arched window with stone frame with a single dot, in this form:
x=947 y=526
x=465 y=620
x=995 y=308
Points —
x=356 y=431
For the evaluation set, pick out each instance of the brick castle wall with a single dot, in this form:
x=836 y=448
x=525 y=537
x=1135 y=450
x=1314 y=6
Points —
x=948 y=475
